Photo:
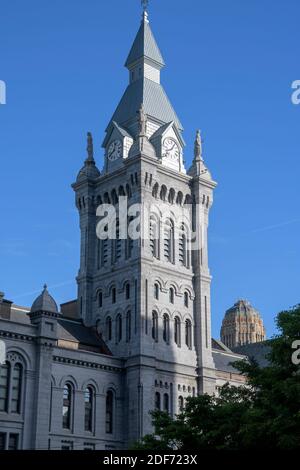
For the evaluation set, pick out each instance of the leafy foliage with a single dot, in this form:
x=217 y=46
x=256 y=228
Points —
x=263 y=414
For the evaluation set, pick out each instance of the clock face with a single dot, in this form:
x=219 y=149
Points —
x=114 y=150
x=171 y=149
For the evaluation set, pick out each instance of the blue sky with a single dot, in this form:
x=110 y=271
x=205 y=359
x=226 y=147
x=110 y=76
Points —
x=230 y=66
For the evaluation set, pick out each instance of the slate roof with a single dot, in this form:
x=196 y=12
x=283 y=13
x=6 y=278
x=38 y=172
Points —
x=145 y=45
x=75 y=331
x=223 y=361
x=152 y=95
x=256 y=351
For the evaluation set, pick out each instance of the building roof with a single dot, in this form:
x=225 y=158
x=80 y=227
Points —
x=256 y=351
x=152 y=95
x=75 y=332
x=145 y=46
x=242 y=307
x=223 y=361
x=45 y=303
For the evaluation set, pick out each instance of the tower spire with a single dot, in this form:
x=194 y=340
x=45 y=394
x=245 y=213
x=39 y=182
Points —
x=145 y=4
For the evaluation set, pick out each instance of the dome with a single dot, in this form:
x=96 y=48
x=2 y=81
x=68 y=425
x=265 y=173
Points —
x=44 y=302
x=89 y=171
x=242 y=307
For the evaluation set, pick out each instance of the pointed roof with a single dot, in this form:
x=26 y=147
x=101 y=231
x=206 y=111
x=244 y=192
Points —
x=152 y=95
x=44 y=303
x=145 y=46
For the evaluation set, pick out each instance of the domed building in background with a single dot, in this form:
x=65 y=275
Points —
x=242 y=325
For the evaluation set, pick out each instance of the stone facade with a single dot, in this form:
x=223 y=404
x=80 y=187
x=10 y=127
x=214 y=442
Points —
x=138 y=337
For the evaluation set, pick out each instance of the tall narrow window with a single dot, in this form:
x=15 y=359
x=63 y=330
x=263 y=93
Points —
x=169 y=242
x=117 y=245
x=154 y=236
x=183 y=247
x=100 y=299
x=2 y=440
x=108 y=329
x=188 y=334
x=156 y=291
x=180 y=404
x=166 y=328
x=177 y=328
x=128 y=326
x=109 y=412
x=129 y=241
x=186 y=299
x=166 y=403
x=113 y=295
x=155 y=326
x=157 y=401
x=119 y=328
x=88 y=409
x=4 y=384
x=15 y=406
x=127 y=291
x=13 y=442
x=67 y=404
x=171 y=295
x=103 y=252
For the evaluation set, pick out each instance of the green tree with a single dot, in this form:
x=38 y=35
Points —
x=263 y=414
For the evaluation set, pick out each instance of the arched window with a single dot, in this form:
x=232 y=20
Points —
x=108 y=329
x=127 y=291
x=171 y=197
x=117 y=244
x=100 y=299
x=166 y=403
x=169 y=241
x=177 y=331
x=67 y=406
x=171 y=295
x=88 y=409
x=118 y=328
x=155 y=190
x=4 y=384
x=128 y=326
x=157 y=401
x=113 y=295
x=156 y=291
x=163 y=193
x=186 y=299
x=129 y=242
x=154 y=236
x=155 y=326
x=166 y=328
x=109 y=412
x=183 y=247
x=180 y=404
x=16 y=385
x=179 y=198
x=188 y=334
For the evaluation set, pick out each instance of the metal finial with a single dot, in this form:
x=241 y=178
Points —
x=90 y=147
x=45 y=287
x=145 y=4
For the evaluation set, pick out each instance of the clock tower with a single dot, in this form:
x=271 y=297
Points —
x=148 y=296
